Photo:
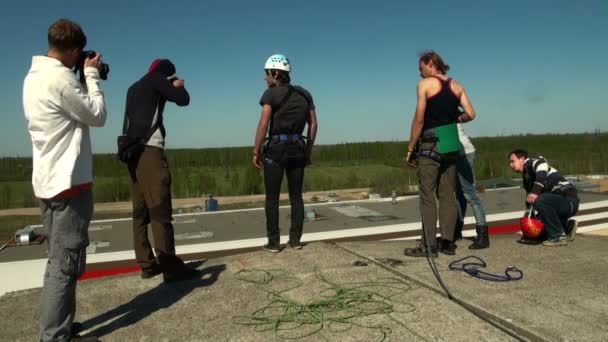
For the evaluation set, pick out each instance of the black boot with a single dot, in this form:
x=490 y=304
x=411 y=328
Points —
x=150 y=271
x=482 y=240
x=447 y=247
x=174 y=268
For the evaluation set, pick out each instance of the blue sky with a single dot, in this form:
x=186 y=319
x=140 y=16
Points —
x=528 y=66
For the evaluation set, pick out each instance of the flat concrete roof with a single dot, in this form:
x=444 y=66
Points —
x=562 y=296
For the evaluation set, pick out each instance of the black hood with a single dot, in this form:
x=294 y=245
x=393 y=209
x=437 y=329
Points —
x=164 y=66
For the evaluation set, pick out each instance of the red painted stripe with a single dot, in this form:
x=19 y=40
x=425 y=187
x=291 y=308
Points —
x=504 y=229
x=115 y=271
x=109 y=272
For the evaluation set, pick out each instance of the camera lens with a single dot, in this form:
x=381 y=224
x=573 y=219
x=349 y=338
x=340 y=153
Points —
x=104 y=70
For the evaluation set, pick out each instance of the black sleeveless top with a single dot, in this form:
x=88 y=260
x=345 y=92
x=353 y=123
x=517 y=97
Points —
x=441 y=108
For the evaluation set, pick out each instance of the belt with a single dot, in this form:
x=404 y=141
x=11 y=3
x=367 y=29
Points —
x=431 y=154
x=286 y=137
x=73 y=192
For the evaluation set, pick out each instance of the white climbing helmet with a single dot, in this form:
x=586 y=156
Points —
x=279 y=62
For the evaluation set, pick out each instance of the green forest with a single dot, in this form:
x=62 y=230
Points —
x=377 y=165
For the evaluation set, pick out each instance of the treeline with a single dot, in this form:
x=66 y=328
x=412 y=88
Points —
x=379 y=165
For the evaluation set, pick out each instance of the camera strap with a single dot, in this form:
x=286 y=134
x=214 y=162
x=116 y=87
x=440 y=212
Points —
x=155 y=126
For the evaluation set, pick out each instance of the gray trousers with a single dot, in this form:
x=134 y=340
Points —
x=66 y=224
x=437 y=184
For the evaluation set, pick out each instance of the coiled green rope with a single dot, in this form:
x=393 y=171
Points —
x=337 y=308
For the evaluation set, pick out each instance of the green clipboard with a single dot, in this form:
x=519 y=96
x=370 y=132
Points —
x=448 y=138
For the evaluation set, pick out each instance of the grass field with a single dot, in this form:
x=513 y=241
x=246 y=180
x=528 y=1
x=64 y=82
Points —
x=376 y=165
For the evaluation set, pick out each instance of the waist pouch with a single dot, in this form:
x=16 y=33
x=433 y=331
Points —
x=285 y=153
x=129 y=148
x=447 y=136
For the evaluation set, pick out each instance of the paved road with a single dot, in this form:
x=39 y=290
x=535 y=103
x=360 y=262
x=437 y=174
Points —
x=115 y=235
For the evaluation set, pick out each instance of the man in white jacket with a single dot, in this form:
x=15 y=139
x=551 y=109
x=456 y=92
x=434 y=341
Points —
x=59 y=111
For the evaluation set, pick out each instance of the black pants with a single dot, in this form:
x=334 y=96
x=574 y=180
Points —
x=282 y=159
x=555 y=210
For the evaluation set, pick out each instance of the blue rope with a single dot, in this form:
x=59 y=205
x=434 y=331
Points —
x=472 y=268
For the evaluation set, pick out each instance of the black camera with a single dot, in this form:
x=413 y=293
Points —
x=104 y=69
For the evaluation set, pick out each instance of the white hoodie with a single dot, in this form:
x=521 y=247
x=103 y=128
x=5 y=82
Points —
x=464 y=140
x=59 y=112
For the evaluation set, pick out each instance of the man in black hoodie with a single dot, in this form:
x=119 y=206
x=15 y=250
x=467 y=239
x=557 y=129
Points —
x=150 y=175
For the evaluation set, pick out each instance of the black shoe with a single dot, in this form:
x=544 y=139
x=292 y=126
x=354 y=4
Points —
x=447 y=247
x=528 y=241
x=294 y=245
x=482 y=240
x=170 y=263
x=185 y=273
x=150 y=271
x=420 y=251
x=76 y=328
x=272 y=247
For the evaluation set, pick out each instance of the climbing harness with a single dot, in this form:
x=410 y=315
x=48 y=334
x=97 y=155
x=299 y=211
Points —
x=431 y=154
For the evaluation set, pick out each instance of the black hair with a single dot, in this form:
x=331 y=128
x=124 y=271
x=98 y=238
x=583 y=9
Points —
x=281 y=76
x=519 y=153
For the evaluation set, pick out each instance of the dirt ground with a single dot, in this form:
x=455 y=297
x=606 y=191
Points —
x=341 y=195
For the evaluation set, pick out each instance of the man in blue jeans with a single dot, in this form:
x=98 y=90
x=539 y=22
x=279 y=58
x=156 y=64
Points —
x=554 y=198
x=466 y=193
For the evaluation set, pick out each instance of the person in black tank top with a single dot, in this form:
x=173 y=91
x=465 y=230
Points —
x=286 y=110
x=437 y=108
x=441 y=108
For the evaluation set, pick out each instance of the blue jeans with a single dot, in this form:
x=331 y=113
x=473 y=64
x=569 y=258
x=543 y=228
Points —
x=465 y=189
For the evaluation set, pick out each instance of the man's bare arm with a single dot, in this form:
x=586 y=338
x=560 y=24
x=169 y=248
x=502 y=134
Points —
x=312 y=134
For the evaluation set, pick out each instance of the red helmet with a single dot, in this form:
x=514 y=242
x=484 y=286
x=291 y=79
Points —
x=531 y=227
